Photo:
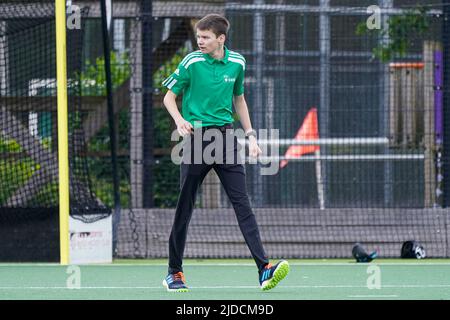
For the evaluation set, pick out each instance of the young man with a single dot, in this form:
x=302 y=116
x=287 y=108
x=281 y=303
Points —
x=211 y=79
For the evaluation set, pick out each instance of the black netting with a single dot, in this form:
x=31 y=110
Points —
x=379 y=177
x=376 y=175
x=29 y=131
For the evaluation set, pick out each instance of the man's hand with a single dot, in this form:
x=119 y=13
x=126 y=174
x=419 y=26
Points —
x=253 y=148
x=184 y=128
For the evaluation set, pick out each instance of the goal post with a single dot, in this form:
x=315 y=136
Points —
x=63 y=150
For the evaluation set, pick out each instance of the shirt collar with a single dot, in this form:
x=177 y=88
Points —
x=224 y=60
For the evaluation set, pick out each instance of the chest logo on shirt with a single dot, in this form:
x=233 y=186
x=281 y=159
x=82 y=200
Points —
x=226 y=78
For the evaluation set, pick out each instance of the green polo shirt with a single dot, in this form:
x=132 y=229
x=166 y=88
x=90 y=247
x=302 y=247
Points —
x=208 y=86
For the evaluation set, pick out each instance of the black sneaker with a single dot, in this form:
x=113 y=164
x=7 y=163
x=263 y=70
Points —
x=270 y=276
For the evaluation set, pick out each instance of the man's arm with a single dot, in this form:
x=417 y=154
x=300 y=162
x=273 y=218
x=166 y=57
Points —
x=242 y=110
x=183 y=126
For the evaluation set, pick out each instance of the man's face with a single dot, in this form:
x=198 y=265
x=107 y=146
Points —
x=208 y=42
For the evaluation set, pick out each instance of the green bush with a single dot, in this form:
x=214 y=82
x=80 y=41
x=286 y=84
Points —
x=93 y=78
x=13 y=174
x=9 y=145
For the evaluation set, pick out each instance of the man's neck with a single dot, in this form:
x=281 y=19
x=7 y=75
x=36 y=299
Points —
x=218 y=54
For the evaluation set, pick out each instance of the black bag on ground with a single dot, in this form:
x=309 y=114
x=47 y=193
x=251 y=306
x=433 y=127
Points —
x=412 y=249
x=361 y=255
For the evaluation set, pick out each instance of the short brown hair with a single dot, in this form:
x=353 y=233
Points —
x=214 y=22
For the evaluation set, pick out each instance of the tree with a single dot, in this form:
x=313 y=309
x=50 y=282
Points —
x=400 y=30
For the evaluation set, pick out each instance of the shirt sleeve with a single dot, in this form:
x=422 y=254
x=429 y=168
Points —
x=239 y=83
x=178 y=80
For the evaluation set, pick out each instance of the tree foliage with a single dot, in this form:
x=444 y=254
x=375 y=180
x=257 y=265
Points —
x=399 y=31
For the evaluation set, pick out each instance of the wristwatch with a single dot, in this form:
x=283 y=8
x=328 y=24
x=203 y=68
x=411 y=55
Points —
x=250 y=133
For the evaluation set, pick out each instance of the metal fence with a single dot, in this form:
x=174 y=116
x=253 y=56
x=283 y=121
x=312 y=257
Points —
x=373 y=72
x=380 y=126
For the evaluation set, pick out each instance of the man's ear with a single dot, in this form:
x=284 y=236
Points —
x=222 y=38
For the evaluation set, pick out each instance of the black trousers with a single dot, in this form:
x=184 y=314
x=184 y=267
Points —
x=232 y=177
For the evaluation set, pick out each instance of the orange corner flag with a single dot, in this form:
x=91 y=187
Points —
x=308 y=131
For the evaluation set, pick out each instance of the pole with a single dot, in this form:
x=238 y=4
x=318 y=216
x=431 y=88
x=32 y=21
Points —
x=258 y=102
x=324 y=111
x=320 y=190
x=111 y=121
x=63 y=137
x=147 y=104
x=446 y=111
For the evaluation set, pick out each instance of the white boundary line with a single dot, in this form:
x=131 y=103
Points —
x=201 y=264
x=228 y=287
x=374 y=296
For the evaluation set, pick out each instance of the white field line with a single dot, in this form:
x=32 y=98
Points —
x=207 y=264
x=374 y=296
x=220 y=287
